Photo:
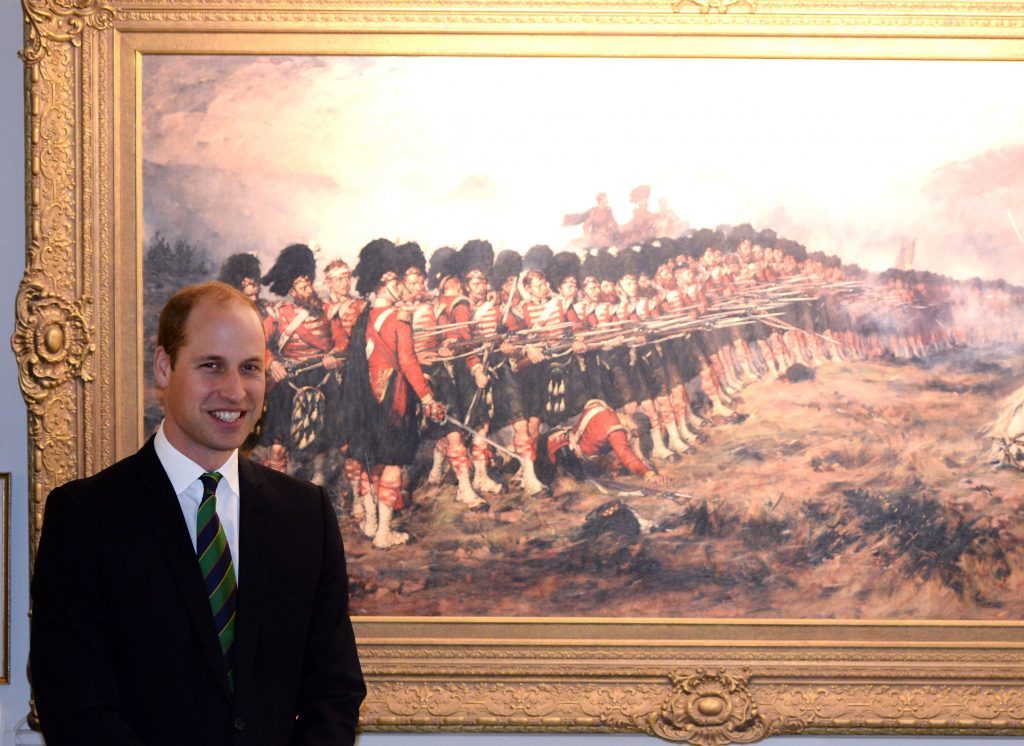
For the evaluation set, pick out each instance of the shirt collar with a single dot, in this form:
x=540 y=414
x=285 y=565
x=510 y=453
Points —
x=183 y=471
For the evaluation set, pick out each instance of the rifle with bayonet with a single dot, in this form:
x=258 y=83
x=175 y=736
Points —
x=607 y=486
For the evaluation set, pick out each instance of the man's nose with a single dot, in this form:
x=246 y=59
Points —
x=232 y=386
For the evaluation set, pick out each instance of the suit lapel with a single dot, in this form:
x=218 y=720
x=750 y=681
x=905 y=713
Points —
x=252 y=520
x=161 y=505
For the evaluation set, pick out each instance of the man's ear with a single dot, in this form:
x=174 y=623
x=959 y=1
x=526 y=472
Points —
x=161 y=367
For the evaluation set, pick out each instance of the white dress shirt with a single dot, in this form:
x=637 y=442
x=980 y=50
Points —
x=184 y=474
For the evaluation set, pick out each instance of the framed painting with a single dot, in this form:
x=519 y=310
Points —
x=802 y=512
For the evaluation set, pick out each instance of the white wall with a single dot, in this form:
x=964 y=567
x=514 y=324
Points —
x=13 y=453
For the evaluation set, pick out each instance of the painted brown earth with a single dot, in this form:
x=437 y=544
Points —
x=864 y=493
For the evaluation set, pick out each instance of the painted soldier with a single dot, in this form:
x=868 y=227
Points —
x=568 y=371
x=676 y=349
x=534 y=312
x=599 y=225
x=302 y=351
x=475 y=261
x=343 y=308
x=385 y=388
x=640 y=360
x=242 y=271
x=501 y=402
x=643 y=225
x=597 y=433
x=435 y=352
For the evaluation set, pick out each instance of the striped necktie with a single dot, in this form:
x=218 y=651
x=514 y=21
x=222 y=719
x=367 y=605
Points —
x=218 y=569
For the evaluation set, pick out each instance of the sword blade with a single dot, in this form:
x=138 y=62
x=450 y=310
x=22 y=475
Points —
x=449 y=420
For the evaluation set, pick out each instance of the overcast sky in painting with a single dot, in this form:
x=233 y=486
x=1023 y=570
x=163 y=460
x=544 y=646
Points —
x=250 y=154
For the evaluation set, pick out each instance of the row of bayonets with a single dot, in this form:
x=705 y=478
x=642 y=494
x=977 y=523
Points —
x=756 y=303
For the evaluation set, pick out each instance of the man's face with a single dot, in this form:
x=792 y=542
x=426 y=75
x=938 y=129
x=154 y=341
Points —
x=251 y=288
x=477 y=287
x=340 y=284
x=628 y=285
x=608 y=287
x=538 y=287
x=302 y=288
x=592 y=289
x=413 y=286
x=451 y=287
x=509 y=285
x=213 y=394
x=568 y=288
x=664 y=276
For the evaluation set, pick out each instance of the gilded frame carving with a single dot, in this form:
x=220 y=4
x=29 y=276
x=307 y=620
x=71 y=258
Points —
x=705 y=682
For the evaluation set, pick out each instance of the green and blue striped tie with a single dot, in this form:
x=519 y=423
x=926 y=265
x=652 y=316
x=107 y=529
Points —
x=218 y=569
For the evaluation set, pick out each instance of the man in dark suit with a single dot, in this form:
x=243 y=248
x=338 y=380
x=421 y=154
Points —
x=186 y=595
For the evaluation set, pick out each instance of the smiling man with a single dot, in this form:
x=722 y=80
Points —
x=144 y=628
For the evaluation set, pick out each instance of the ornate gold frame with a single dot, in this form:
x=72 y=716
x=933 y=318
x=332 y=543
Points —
x=705 y=682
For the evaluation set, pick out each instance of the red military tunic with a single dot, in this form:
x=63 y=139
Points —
x=597 y=432
x=342 y=317
x=392 y=359
x=537 y=314
x=298 y=336
x=426 y=317
x=460 y=311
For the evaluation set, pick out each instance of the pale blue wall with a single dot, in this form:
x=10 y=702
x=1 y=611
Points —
x=13 y=458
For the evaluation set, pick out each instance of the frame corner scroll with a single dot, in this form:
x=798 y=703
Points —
x=61 y=21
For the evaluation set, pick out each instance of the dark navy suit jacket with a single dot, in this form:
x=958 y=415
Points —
x=123 y=646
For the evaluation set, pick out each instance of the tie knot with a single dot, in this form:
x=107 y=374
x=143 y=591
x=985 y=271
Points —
x=210 y=480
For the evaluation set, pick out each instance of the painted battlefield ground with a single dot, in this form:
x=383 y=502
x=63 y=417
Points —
x=865 y=493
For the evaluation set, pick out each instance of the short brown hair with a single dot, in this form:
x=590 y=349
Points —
x=337 y=264
x=174 y=315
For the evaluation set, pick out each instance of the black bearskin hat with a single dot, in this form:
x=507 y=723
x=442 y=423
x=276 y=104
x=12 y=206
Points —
x=506 y=264
x=562 y=265
x=670 y=249
x=792 y=248
x=293 y=262
x=543 y=466
x=767 y=238
x=444 y=262
x=476 y=255
x=375 y=260
x=599 y=264
x=626 y=263
x=409 y=256
x=590 y=267
x=652 y=255
x=613 y=517
x=239 y=266
x=546 y=469
x=537 y=258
